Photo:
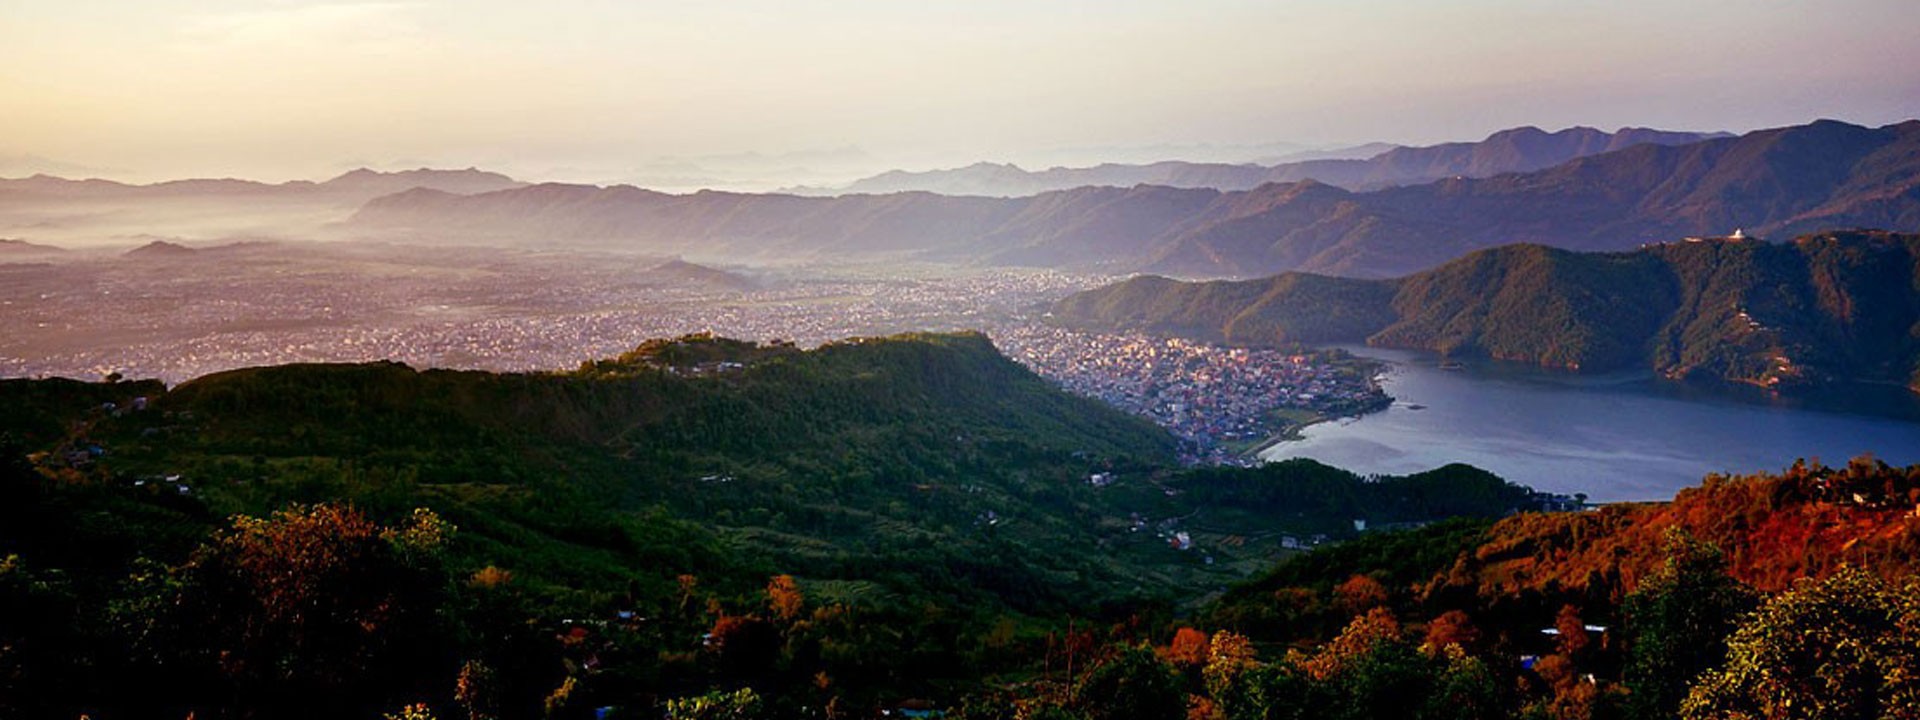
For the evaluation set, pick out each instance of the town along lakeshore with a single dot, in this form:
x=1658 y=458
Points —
x=1225 y=403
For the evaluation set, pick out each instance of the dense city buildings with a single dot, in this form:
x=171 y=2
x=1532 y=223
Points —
x=1222 y=402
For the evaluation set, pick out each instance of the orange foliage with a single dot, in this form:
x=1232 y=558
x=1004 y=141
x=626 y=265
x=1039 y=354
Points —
x=1774 y=528
x=1377 y=626
x=1360 y=593
x=1571 y=695
x=784 y=597
x=1188 y=649
x=1200 y=707
x=490 y=577
x=1573 y=631
x=1453 y=627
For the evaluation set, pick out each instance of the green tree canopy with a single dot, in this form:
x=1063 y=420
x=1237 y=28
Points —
x=1843 y=648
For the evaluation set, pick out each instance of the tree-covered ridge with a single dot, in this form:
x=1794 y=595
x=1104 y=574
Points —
x=1780 y=595
x=1833 y=306
x=869 y=460
x=526 y=545
x=1810 y=520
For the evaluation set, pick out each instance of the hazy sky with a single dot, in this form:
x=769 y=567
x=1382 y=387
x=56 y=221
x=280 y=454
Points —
x=599 y=90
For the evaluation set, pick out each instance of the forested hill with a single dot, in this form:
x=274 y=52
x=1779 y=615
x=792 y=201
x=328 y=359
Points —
x=325 y=541
x=1743 y=597
x=1829 y=306
x=883 y=453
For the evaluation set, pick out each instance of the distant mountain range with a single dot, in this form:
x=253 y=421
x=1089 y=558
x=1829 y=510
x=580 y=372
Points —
x=14 y=250
x=1772 y=182
x=352 y=187
x=1832 y=306
x=1365 y=167
x=103 y=213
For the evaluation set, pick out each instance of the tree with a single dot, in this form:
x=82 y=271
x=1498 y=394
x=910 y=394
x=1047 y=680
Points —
x=745 y=648
x=742 y=704
x=1381 y=683
x=1189 y=648
x=1677 y=624
x=1132 y=685
x=1271 y=692
x=784 y=597
x=1368 y=671
x=1361 y=593
x=36 y=643
x=316 y=611
x=1842 y=648
x=477 y=691
x=1573 y=639
x=1465 y=690
x=1359 y=638
x=416 y=711
x=1452 y=628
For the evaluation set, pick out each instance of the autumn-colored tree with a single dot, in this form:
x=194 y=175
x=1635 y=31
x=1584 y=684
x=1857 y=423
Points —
x=1360 y=593
x=1244 y=689
x=1200 y=707
x=1188 y=649
x=490 y=577
x=1228 y=656
x=315 y=609
x=1843 y=648
x=784 y=597
x=1569 y=693
x=1573 y=639
x=1454 y=628
x=1360 y=636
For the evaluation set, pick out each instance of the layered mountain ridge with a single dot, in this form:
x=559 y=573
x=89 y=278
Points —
x=1775 y=182
x=356 y=185
x=1372 y=167
x=1825 y=307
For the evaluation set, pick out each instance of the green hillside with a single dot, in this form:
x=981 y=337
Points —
x=336 y=540
x=866 y=460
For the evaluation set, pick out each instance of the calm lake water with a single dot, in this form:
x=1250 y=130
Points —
x=1629 y=436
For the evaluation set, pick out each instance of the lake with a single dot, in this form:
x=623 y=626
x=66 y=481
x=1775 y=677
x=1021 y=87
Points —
x=1622 y=436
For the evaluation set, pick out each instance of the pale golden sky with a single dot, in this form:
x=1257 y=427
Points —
x=601 y=90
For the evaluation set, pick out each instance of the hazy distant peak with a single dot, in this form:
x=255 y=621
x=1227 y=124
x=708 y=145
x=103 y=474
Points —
x=465 y=182
x=15 y=246
x=1521 y=131
x=161 y=249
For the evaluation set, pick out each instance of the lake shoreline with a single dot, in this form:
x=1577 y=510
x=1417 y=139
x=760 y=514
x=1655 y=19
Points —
x=1614 y=436
x=1295 y=430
